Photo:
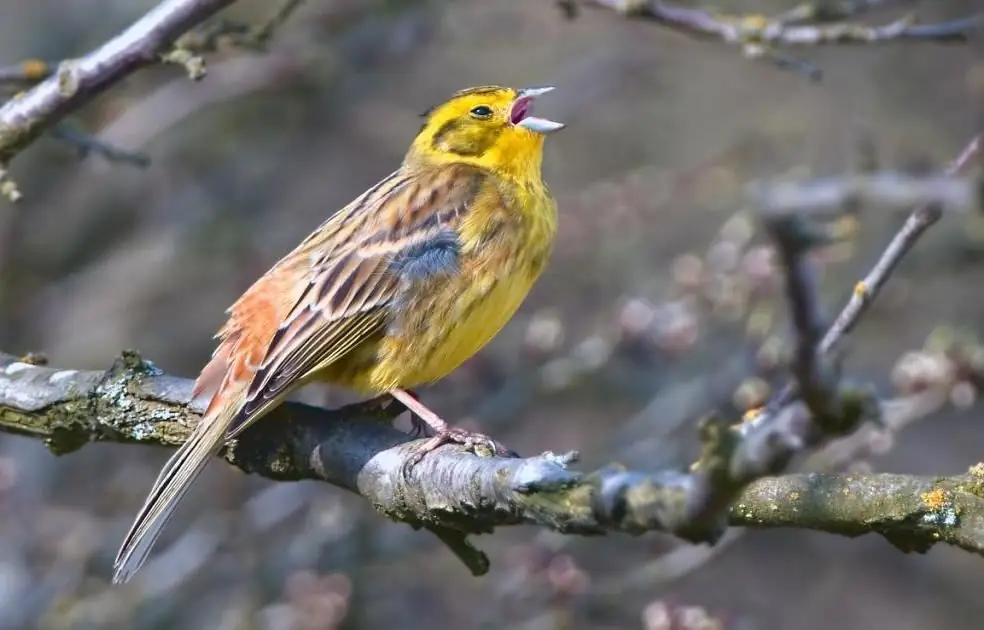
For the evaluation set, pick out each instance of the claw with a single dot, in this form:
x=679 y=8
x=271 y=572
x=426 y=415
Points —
x=453 y=435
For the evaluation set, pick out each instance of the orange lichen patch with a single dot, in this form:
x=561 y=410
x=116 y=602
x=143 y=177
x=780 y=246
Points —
x=861 y=290
x=748 y=419
x=35 y=69
x=935 y=499
x=754 y=22
x=976 y=484
x=752 y=414
x=34 y=358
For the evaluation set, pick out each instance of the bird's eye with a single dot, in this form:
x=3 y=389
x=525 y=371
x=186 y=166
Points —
x=482 y=111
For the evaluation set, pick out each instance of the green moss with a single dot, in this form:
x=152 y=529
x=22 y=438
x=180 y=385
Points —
x=562 y=509
x=13 y=138
x=975 y=484
x=68 y=79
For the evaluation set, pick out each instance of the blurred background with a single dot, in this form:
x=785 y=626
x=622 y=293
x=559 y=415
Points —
x=659 y=304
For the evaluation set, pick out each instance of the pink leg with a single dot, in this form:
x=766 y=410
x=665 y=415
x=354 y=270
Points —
x=417 y=425
x=443 y=432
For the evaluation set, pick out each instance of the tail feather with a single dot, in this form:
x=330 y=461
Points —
x=170 y=487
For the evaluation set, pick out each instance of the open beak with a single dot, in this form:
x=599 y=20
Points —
x=522 y=107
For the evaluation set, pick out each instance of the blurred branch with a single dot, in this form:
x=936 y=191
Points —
x=846 y=454
x=810 y=24
x=87 y=145
x=920 y=220
x=160 y=35
x=27 y=72
x=226 y=34
x=944 y=373
x=836 y=195
x=30 y=72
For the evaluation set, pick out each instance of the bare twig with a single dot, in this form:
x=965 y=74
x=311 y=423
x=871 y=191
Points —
x=787 y=29
x=793 y=241
x=226 y=34
x=27 y=72
x=87 y=145
x=809 y=24
x=831 y=10
x=836 y=195
x=920 y=220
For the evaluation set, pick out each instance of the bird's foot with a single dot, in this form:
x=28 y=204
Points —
x=454 y=435
x=422 y=416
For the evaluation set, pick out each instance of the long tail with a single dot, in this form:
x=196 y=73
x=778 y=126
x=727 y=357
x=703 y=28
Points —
x=176 y=477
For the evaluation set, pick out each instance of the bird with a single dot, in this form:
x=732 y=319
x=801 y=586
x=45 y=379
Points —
x=392 y=292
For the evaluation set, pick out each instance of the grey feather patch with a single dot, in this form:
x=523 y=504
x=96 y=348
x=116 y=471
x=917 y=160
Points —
x=438 y=255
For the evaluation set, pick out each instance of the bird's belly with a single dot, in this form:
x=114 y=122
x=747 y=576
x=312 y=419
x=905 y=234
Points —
x=456 y=323
x=479 y=323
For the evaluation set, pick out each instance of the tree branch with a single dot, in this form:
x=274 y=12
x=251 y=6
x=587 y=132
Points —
x=454 y=493
x=911 y=512
x=923 y=217
x=78 y=81
x=809 y=24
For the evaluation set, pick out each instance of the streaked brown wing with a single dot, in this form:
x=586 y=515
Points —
x=361 y=260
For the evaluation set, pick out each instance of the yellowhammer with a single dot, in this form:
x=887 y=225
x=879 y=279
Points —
x=395 y=290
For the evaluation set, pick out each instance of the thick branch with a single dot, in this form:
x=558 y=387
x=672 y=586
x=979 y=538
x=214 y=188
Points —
x=455 y=493
x=909 y=511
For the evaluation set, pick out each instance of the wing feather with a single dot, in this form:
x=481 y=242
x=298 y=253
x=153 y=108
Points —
x=352 y=284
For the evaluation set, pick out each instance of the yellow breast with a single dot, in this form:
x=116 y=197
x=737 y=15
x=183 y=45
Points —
x=479 y=314
x=454 y=317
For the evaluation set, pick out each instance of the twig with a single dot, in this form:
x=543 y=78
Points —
x=920 y=220
x=786 y=29
x=31 y=71
x=760 y=35
x=794 y=241
x=87 y=145
x=27 y=72
x=833 y=196
x=226 y=34
x=831 y=10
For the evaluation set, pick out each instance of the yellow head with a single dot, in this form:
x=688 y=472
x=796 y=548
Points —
x=488 y=126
